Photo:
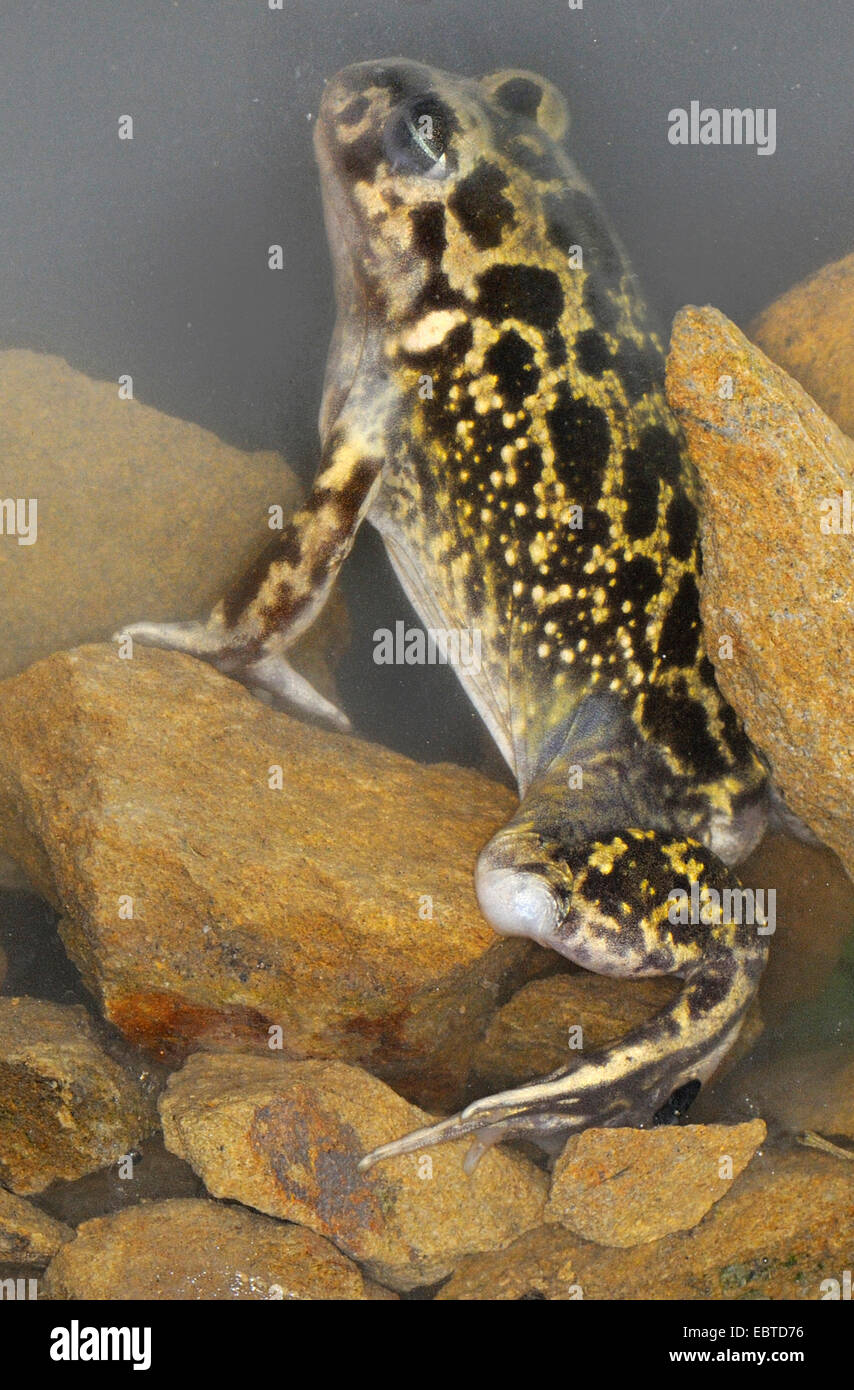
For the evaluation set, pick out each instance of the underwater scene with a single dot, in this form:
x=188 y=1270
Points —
x=456 y=906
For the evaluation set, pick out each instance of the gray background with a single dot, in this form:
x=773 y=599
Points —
x=150 y=257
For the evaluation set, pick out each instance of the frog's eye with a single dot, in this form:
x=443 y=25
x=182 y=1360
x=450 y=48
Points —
x=417 y=138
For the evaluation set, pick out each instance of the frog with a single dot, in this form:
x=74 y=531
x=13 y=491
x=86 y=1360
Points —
x=494 y=405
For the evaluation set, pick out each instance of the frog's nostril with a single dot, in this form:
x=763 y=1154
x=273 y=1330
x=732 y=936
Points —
x=514 y=902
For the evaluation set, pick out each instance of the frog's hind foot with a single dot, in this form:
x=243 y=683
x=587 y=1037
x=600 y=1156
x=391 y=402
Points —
x=609 y=905
x=259 y=668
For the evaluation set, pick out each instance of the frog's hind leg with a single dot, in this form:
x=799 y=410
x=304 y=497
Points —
x=607 y=906
x=250 y=631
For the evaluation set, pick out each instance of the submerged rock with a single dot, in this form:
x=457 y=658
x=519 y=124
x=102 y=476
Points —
x=139 y=515
x=542 y=1027
x=196 y=1249
x=808 y=332
x=226 y=872
x=286 y=1138
x=67 y=1108
x=778 y=589
x=28 y=1236
x=631 y=1186
x=784 y=1228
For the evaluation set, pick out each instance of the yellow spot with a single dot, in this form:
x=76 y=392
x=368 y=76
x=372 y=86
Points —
x=603 y=856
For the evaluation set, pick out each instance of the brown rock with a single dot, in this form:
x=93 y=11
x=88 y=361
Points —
x=28 y=1236
x=809 y=332
x=165 y=514
x=773 y=582
x=784 y=1227
x=186 y=1249
x=529 y=1036
x=630 y=1186
x=67 y=1108
x=287 y=1137
x=148 y=782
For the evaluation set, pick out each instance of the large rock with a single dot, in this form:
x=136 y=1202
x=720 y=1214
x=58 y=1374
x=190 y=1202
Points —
x=287 y=1138
x=186 y=1249
x=774 y=583
x=530 y=1036
x=339 y=908
x=139 y=515
x=66 y=1108
x=808 y=331
x=631 y=1186
x=784 y=1228
x=28 y=1236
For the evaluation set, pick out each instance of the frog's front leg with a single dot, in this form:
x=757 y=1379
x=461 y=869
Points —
x=605 y=905
x=250 y=630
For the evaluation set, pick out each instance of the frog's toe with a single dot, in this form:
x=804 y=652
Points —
x=267 y=669
x=194 y=638
x=276 y=675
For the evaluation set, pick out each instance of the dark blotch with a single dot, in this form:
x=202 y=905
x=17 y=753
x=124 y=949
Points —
x=581 y=438
x=520 y=96
x=592 y=352
x=480 y=206
x=523 y=292
x=681 y=520
x=362 y=157
x=680 y=724
x=637 y=581
x=556 y=348
x=663 y=452
x=596 y=527
x=679 y=639
x=428 y=230
x=640 y=490
x=512 y=361
x=639 y=369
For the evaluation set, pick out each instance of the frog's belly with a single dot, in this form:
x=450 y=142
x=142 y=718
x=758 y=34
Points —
x=441 y=603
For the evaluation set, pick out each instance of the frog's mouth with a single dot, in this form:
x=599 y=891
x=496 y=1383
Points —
x=351 y=299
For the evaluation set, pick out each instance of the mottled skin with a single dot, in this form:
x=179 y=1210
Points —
x=495 y=405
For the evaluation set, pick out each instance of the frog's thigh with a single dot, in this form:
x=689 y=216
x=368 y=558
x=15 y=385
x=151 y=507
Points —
x=251 y=629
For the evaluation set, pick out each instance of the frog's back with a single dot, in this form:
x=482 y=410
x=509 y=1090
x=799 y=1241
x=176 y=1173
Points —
x=536 y=487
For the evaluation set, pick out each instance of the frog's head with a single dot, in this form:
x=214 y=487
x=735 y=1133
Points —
x=424 y=185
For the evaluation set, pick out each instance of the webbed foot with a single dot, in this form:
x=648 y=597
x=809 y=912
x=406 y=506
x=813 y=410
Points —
x=259 y=667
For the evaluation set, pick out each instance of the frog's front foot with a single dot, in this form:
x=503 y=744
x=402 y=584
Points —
x=259 y=666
